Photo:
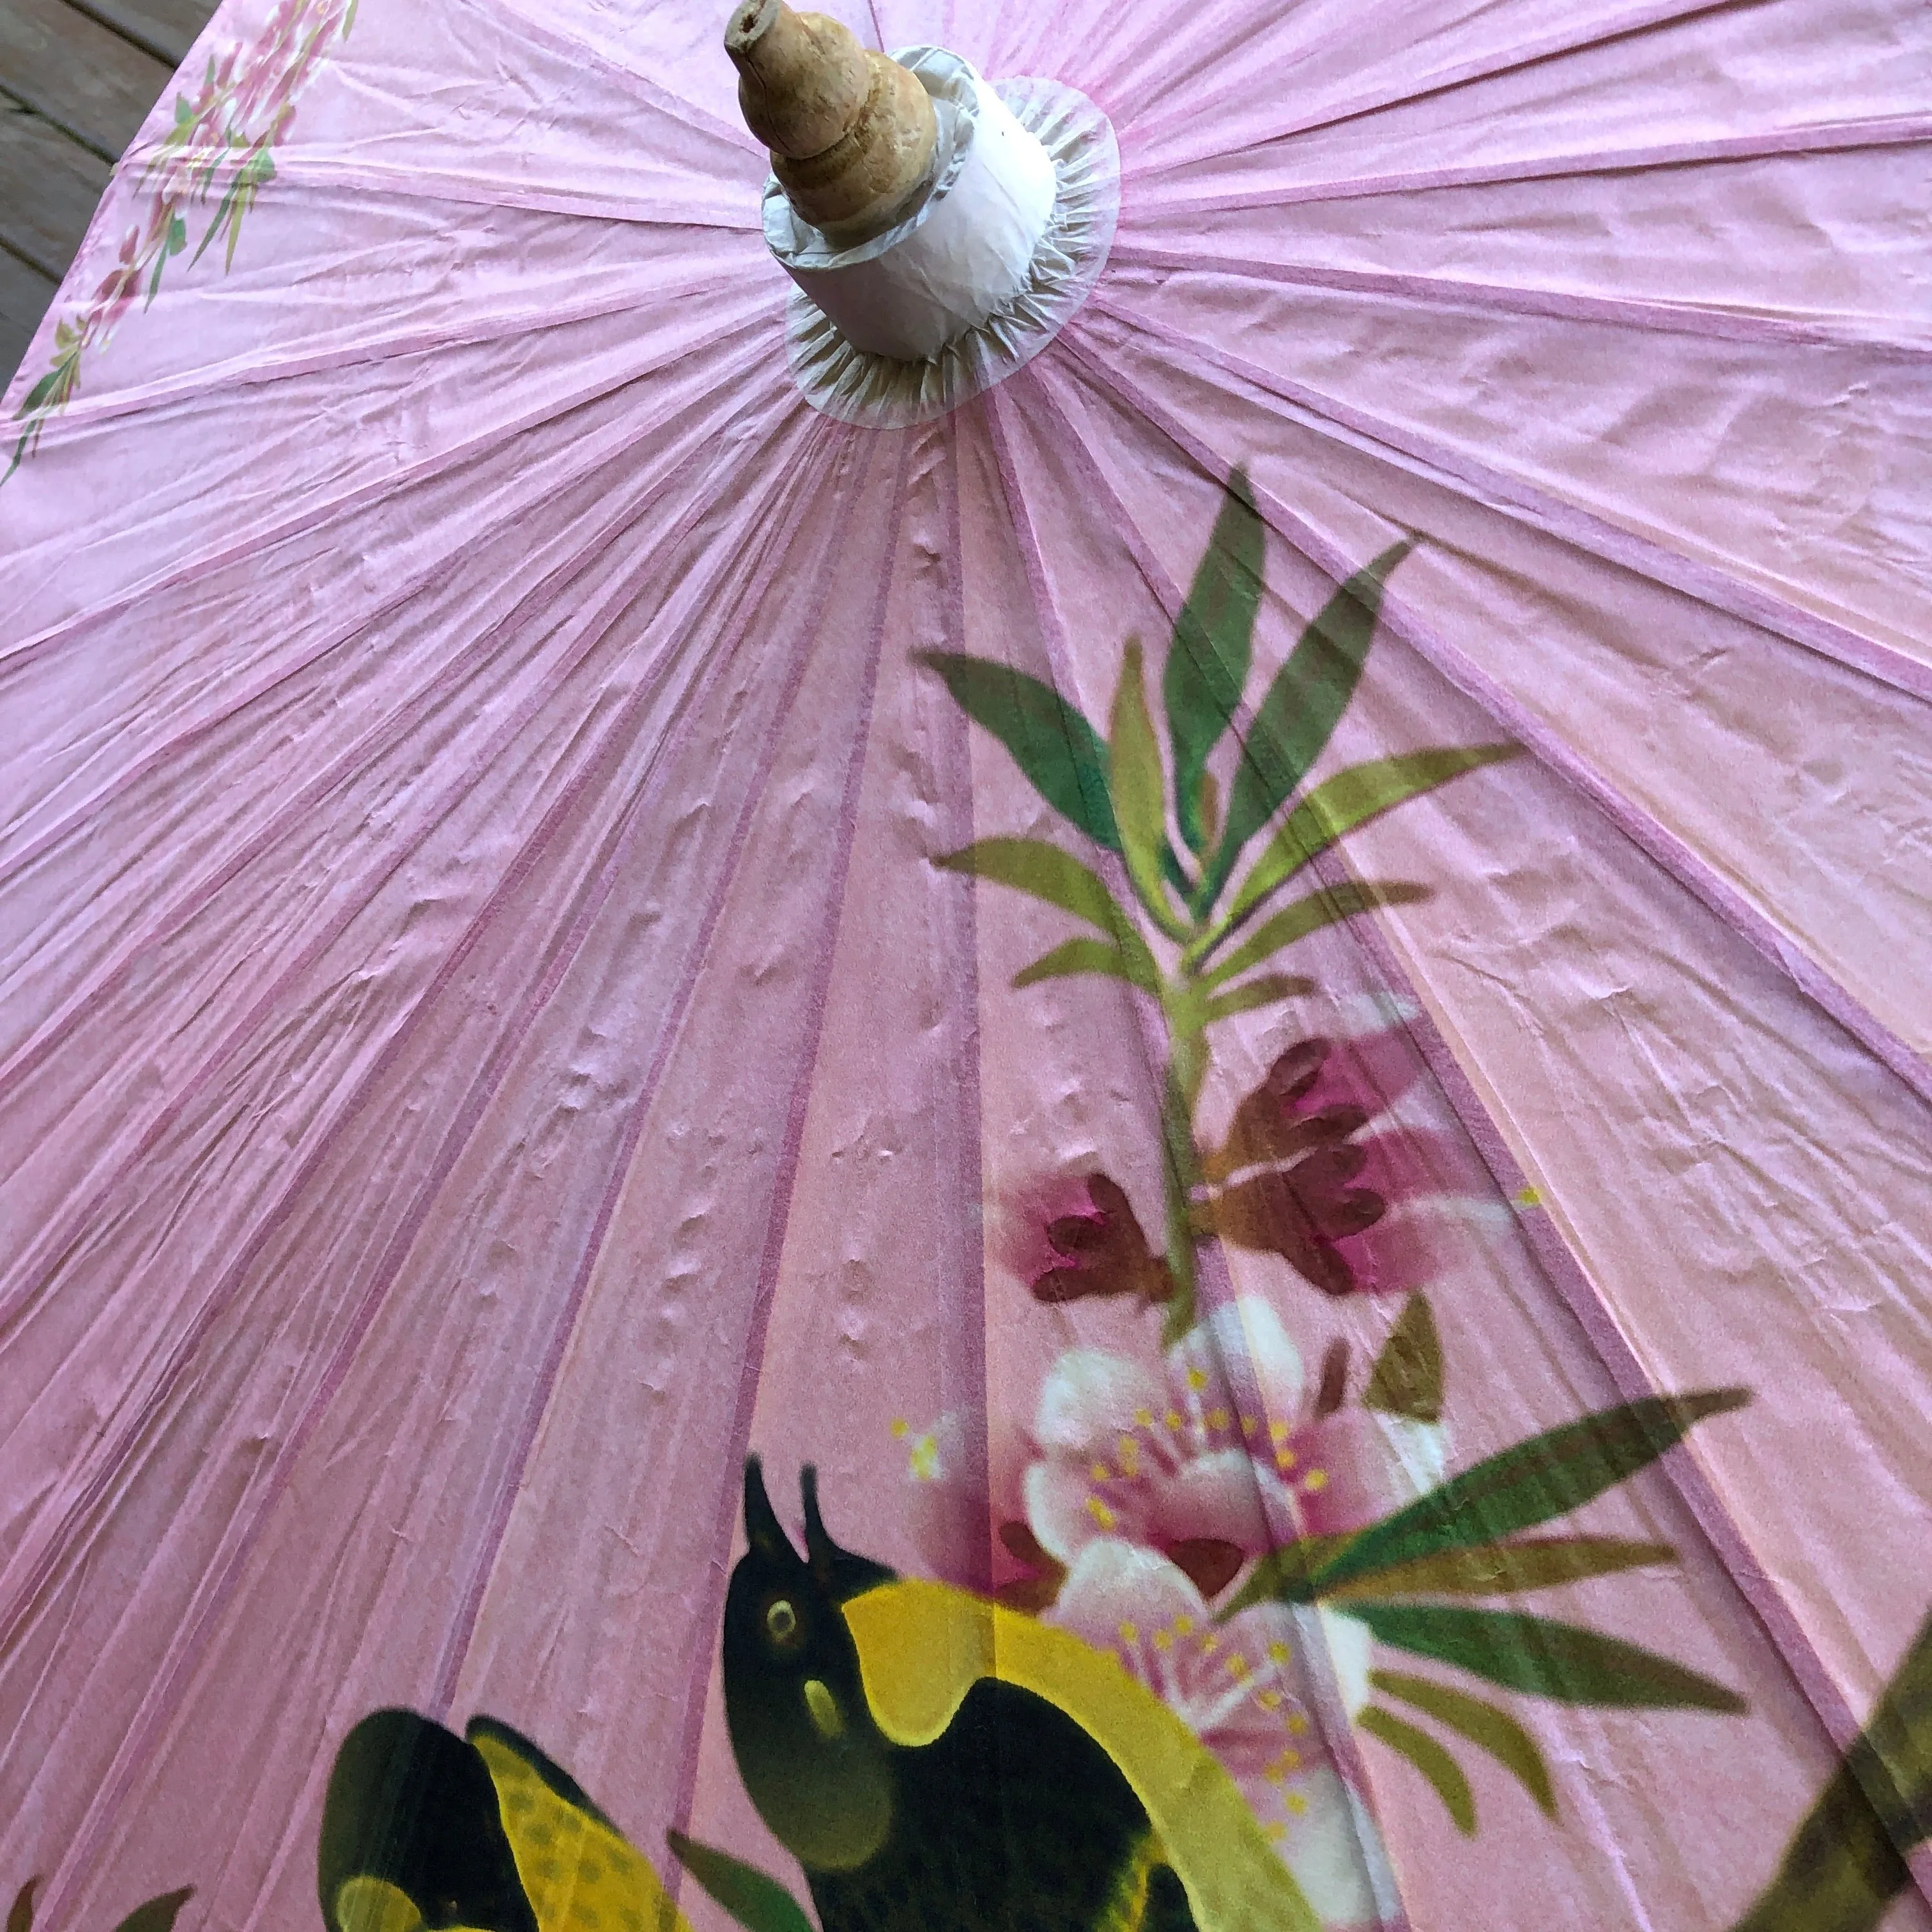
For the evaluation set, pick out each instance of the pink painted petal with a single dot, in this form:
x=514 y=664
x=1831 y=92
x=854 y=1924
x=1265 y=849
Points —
x=1067 y=1508
x=1224 y=1495
x=1241 y=1346
x=1090 y=1400
x=1115 y=1584
x=1356 y=1466
x=1327 y=1839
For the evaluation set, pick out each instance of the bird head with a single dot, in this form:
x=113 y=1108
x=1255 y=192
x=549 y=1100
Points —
x=813 y=1761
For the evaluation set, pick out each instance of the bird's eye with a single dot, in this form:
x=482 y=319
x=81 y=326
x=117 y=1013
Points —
x=781 y=1620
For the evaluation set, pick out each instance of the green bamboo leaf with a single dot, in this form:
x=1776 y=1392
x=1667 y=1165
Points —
x=1131 y=961
x=1033 y=865
x=1486 y=1726
x=1339 y=805
x=1328 y=906
x=1531 y=1482
x=158 y=1915
x=1544 y=1658
x=1429 y=1757
x=1286 y=1575
x=1139 y=788
x=1300 y=712
x=756 y=1901
x=1845 y=1861
x=1262 y=992
x=1060 y=753
x=1214 y=643
x=1407 y=1378
x=1504 y=1569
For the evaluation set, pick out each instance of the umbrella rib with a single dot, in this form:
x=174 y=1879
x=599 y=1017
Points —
x=1583 y=529
x=1713 y=320
x=778 y=1225
x=1513 y=59
x=1718 y=1527
x=401 y=720
x=240 y=549
x=170 y=1679
x=586 y=53
x=602 y=452
x=457 y=1645
x=1216 y=1283
x=1672 y=854
x=615 y=601
x=1826 y=137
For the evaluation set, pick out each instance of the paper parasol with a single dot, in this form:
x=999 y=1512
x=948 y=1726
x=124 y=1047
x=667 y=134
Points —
x=1319 y=893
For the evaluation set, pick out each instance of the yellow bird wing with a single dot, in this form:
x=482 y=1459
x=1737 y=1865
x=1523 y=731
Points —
x=922 y=1646
x=578 y=1874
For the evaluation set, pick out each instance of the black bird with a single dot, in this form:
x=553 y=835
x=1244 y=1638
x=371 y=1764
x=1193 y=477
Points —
x=1013 y=1819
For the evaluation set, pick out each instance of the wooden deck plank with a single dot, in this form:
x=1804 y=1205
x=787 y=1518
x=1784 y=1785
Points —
x=49 y=186
x=25 y=294
x=165 y=28
x=70 y=70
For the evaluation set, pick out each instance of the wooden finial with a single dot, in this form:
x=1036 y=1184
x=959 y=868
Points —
x=851 y=133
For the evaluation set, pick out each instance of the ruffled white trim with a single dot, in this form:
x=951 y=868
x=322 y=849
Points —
x=878 y=393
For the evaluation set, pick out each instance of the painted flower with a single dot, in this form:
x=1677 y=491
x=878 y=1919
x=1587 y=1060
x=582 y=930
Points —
x=1219 y=1454
x=1247 y=1689
x=1334 y=1162
x=1078 y=1235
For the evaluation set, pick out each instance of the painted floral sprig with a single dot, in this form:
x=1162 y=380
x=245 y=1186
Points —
x=1206 y=917
x=221 y=148
x=1200 y=933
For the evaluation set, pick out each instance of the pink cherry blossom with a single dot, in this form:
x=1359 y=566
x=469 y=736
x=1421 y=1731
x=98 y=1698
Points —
x=1170 y=1458
x=1244 y=1689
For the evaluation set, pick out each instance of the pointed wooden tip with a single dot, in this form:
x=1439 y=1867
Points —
x=851 y=133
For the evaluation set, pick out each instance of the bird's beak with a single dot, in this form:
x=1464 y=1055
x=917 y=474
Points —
x=763 y=1530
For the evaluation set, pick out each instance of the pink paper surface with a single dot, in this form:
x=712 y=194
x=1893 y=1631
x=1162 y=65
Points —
x=485 y=1044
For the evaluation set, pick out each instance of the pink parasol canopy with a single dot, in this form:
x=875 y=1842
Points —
x=1254 y=970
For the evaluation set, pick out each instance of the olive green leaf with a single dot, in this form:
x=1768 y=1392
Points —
x=1328 y=906
x=1407 y=1378
x=1339 y=805
x=158 y=1915
x=1300 y=712
x=1845 y=1861
x=1264 y=991
x=1429 y=1757
x=1486 y=1726
x=1208 y=661
x=758 y=1902
x=1126 y=958
x=1139 y=791
x=1288 y=1574
x=1503 y=1569
x=1547 y=1659
x=1060 y=754
x=1033 y=865
x=21 y=1918
x=1531 y=1482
